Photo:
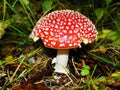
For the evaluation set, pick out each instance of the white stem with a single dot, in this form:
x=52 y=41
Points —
x=61 y=61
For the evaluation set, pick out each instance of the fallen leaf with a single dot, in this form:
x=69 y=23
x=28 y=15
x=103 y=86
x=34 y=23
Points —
x=116 y=74
x=31 y=86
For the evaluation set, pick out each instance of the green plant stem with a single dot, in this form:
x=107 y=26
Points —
x=27 y=12
x=4 y=10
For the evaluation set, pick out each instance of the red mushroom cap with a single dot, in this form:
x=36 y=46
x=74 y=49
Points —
x=65 y=29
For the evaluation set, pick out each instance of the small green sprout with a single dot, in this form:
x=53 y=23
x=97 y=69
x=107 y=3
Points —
x=85 y=70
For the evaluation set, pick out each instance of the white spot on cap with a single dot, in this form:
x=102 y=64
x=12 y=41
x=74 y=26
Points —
x=51 y=29
x=39 y=31
x=89 y=29
x=35 y=38
x=75 y=44
x=85 y=40
x=70 y=45
x=81 y=27
x=67 y=27
x=79 y=45
x=42 y=35
x=53 y=43
x=76 y=25
x=52 y=25
x=45 y=43
x=45 y=29
x=58 y=20
x=51 y=33
x=78 y=34
x=61 y=27
x=46 y=33
x=65 y=37
x=61 y=23
x=72 y=26
x=69 y=19
x=49 y=20
x=62 y=44
x=70 y=31
x=46 y=40
x=56 y=26
x=75 y=31
x=69 y=23
x=71 y=37
x=85 y=25
x=65 y=31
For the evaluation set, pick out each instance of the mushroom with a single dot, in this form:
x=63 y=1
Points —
x=64 y=30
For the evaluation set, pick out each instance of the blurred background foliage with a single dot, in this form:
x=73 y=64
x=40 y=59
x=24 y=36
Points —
x=18 y=17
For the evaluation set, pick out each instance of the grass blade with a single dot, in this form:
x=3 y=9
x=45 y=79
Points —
x=18 y=14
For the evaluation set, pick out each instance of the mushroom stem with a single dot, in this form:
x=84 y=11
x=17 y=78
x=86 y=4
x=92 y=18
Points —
x=61 y=61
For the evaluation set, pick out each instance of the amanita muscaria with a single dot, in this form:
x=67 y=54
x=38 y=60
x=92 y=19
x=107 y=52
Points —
x=64 y=30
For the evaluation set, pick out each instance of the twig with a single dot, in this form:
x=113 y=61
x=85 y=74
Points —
x=23 y=58
x=76 y=71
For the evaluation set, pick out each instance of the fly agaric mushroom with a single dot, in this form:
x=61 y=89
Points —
x=63 y=30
